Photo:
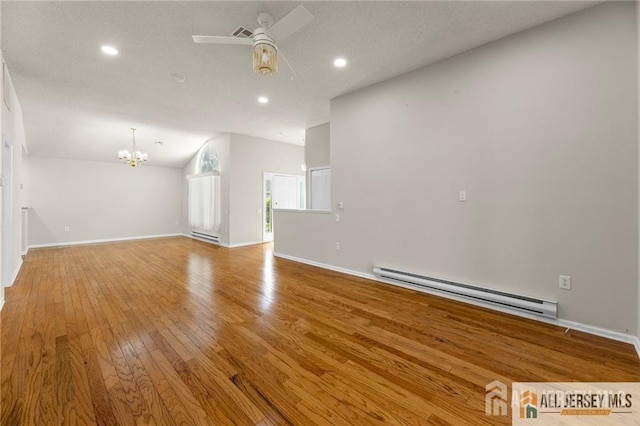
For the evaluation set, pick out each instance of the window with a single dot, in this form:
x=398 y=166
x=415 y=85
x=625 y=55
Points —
x=207 y=160
x=204 y=192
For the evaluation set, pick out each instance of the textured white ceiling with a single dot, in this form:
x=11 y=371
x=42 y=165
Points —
x=80 y=104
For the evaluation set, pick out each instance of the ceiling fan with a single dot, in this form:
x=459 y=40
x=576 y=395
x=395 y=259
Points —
x=263 y=39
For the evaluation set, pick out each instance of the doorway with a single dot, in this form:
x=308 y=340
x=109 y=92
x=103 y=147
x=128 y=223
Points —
x=280 y=191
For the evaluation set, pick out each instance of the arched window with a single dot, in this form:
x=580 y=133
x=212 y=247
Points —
x=207 y=160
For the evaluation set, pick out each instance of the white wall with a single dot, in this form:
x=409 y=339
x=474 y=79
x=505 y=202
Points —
x=250 y=158
x=305 y=234
x=99 y=201
x=1 y=130
x=540 y=129
x=638 y=121
x=13 y=133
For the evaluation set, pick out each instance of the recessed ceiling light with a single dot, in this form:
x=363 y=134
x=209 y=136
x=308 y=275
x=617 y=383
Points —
x=340 y=62
x=263 y=99
x=109 y=50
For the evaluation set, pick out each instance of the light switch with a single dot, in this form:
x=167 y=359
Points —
x=463 y=196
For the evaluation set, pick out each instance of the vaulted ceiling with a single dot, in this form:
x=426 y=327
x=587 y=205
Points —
x=79 y=103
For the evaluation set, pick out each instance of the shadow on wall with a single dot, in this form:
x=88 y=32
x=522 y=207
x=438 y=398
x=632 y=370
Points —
x=37 y=227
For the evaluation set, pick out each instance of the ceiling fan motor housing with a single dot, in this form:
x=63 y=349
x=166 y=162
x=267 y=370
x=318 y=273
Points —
x=265 y=20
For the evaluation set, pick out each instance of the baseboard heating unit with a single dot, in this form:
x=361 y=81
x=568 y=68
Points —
x=205 y=237
x=503 y=300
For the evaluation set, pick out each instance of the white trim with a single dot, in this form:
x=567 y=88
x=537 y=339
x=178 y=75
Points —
x=105 y=240
x=15 y=273
x=201 y=175
x=598 y=331
x=1 y=304
x=325 y=266
x=637 y=344
x=225 y=245
x=24 y=253
x=252 y=243
x=303 y=211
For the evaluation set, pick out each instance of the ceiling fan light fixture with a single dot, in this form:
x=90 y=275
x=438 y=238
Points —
x=265 y=55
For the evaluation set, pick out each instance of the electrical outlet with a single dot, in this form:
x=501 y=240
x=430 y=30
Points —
x=564 y=282
x=67 y=229
x=462 y=196
x=337 y=218
x=338 y=246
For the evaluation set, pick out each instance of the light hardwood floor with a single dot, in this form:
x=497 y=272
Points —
x=175 y=331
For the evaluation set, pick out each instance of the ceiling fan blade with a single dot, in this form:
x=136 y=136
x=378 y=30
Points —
x=222 y=40
x=296 y=19
x=293 y=73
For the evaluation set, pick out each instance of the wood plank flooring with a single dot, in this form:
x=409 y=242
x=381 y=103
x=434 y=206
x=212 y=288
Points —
x=179 y=332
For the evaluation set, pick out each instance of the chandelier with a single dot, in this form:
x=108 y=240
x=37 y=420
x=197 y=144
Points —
x=133 y=157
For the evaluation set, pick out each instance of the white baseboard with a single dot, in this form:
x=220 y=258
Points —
x=637 y=344
x=252 y=243
x=15 y=273
x=105 y=240
x=225 y=245
x=1 y=304
x=598 y=331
